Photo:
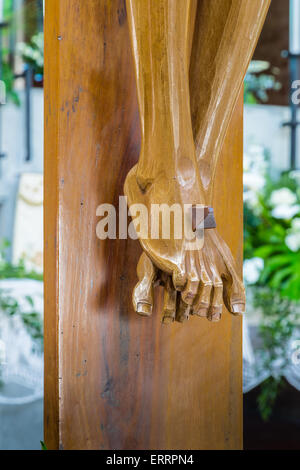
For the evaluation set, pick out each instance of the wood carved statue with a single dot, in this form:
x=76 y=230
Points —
x=190 y=60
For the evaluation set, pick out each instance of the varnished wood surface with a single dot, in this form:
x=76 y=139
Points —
x=114 y=380
x=51 y=238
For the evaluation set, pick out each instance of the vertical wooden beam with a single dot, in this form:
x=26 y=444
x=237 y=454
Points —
x=51 y=213
x=114 y=380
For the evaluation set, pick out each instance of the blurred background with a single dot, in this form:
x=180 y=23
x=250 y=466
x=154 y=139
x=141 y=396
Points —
x=21 y=224
x=272 y=234
x=272 y=230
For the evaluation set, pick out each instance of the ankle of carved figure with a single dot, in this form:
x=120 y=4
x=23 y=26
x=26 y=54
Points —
x=179 y=165
x=155 y=158
x=207 y=169
x=207 y=179
x=168 y=154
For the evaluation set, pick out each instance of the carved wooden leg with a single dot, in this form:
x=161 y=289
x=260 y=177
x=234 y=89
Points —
x=161 y=45
x=167 y=172
x=222 y=43
x=226 y=33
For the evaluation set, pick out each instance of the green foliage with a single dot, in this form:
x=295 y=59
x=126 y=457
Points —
x=256 y=87
x=43 y=446
x=279 y=318
x=32 y=319
x=8 y=79
x=277 y=290
x=8 y=8
x=258 y=83
x=270 y=390
x=10 y=306
x=7 y=71
x=266 y=238
x=33 y=53
x=14 y=271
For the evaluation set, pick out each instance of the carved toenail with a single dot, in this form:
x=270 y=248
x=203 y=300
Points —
x=202 y=312
x=215 y=318
x=167 y=320
x=144 y=309
x=238 y=309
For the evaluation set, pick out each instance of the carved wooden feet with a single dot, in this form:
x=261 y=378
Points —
x=187 y=84
x=211 y=280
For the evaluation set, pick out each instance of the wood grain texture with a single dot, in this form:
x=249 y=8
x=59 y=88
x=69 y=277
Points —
x=114 y=380
x=51 y=195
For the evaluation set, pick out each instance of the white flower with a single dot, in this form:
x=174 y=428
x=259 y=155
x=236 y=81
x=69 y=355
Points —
x=257 y=66
x=252 y=270
x=254 y=181
x=293 y=241
x=250 y=198
x=293 y=238
x=255 y=159
x=35 y=55
x=296 y=225
x=283 y=196
x=285 y=211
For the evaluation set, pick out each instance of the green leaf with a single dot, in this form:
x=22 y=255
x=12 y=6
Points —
x=280 y=276
x=29 y=300
x=265 y=251
x=291 y=288
x=269 y=391
x=279 y=261
x=43 y=446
